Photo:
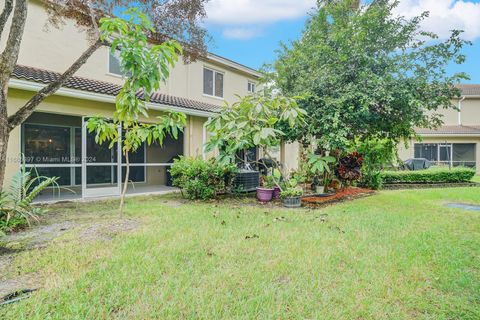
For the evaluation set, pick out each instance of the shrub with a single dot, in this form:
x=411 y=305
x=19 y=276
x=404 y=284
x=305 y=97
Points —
x=16 y=209
x=349 y=168
x=377 y=153
x=201 y=179
x=432 y=175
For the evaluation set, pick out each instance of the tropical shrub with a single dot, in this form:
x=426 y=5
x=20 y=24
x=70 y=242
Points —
x=377 y=153
x=349 y=168
x=201 y=179
x=432 y=175
x=321 y=168
x=16 y=209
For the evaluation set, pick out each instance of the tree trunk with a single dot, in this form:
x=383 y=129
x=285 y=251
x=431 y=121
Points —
x=7 y=9
x=125 y=184
x=4 y=136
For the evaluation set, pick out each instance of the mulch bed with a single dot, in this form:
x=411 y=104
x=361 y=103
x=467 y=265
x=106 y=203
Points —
x=340 y=195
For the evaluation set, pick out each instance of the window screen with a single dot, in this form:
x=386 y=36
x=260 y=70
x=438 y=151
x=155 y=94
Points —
x=218 y=84
x=428 y=151
x=464 y=154
x=114 y=64
x=208 y=82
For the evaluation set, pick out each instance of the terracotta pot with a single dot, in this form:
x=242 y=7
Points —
x=276 y=192
x=264 y=194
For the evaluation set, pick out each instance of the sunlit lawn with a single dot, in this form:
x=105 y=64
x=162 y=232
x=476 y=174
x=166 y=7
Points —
x=395 y=255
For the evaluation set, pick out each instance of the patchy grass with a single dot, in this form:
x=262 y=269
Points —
x=395 y=255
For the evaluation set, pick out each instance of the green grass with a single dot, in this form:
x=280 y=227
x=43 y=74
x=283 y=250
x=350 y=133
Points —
x=395 y=255
x=476 y=178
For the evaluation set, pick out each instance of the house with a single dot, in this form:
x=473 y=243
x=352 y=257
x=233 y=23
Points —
x=54 y=140
x=457 y=141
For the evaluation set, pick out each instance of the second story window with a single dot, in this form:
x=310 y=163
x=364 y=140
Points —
x=251 y=87
x=114 y=66
x=212 y=83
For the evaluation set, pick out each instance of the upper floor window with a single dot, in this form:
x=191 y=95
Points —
x=251 y=87
x=114 y=66
x=212 y=83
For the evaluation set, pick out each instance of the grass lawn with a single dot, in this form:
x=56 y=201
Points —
x=395 y=255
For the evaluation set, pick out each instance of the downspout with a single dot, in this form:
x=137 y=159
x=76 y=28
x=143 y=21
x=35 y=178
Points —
x=460 y=110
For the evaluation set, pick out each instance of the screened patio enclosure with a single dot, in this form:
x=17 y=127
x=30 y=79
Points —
x=449 y=154
x=61 y=146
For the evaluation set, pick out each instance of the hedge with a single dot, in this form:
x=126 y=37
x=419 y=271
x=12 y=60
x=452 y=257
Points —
x=432 y=175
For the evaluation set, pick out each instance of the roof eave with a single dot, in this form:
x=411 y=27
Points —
x=235 y=65
x=100 y=97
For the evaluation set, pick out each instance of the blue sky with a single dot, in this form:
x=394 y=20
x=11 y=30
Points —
x=249 y=31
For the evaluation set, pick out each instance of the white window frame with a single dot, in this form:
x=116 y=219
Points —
x=253 y=85
x=108 y=66
x=214 y=77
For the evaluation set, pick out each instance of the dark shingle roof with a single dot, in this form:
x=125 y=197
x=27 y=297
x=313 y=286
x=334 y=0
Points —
x=469 y=89
x=89 y=85
x=453 y=130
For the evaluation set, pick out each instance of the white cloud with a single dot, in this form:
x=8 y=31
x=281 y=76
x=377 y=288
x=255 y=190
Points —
x=245 y=19
x=241 y=33
x=231 y=12
x=445 y=15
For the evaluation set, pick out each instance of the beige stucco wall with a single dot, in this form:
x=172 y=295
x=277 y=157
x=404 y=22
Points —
x=192 y=138
x=56 y=49
x=290 y=155
x=407 y=151
x=470 y=112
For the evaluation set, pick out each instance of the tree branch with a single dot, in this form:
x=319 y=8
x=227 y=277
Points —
x=5 y=14
x=23 y=113
x=9 y=56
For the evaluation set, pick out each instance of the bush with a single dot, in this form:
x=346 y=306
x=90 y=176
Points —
x=432 y=175
x=16 y=209
x=349 y=168
x=377 y=153
x=201 y=179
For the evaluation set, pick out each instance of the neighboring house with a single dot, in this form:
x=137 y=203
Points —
x=457 y=141
x=56 y=143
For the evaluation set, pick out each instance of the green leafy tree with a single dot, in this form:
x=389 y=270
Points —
x=251 y=122
x=171 y=19
x=146 y=66
x=367 y=73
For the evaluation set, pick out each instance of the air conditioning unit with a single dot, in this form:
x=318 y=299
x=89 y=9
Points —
x=246 y=180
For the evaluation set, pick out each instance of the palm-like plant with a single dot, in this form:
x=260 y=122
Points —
x=320 y=167
x=16 y=200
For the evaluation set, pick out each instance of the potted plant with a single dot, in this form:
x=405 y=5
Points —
x=320 y=169
x=292 y=197
x=292 y=194
x=265 y=193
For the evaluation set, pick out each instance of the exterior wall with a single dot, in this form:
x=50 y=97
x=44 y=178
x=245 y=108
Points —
x=56 y=49
x=469 y=116
x=192 y=138
x=406 y=152
x=290 y=155
x=470 y=113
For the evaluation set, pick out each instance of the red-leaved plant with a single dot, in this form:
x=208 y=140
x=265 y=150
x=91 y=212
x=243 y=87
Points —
x=349 y=168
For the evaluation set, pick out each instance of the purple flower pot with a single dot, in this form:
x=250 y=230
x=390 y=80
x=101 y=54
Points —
x=264 y=194
x=276 y=192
